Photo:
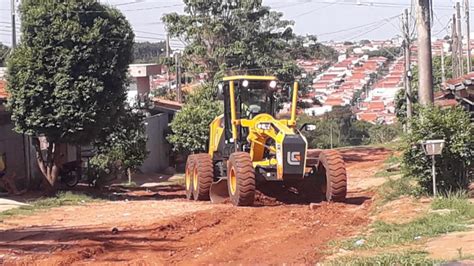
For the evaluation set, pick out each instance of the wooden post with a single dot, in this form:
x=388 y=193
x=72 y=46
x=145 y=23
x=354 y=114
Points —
x=468 y=35
x=455 y=47
x=13 y=9
x=425 y=61
x=178 y=78
x=443 y=70
x=407 y=76
x=460 y=37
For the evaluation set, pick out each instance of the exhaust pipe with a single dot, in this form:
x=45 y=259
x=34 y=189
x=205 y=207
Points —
x=219 y=191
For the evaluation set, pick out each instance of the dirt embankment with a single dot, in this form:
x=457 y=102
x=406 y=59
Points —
x=174 y=231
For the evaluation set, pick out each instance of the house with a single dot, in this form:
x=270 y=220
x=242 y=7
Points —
x=461 y=90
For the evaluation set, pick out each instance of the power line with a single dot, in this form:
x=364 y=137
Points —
x=357 y=27
x=314 y=10
x=378 y=4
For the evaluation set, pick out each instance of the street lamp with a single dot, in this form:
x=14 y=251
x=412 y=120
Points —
x=433 y=148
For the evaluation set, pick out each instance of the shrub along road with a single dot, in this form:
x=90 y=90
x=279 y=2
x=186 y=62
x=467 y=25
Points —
x=168 y=229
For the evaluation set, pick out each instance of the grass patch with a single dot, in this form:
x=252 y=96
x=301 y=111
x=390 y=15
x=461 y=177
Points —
x=407 y=258
x=385 y=173
x=433 y=224
x=389 y=164
x=61 y=199
x=396 y=145
x=393 y=160
x=395 y=188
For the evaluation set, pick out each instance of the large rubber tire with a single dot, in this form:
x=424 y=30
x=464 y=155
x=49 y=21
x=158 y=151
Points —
x=332 y=170
x=241 y=179
x=188 y=177
x=203 y=177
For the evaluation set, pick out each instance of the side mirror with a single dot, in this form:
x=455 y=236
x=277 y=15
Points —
x=220 y=91
x=308 y=127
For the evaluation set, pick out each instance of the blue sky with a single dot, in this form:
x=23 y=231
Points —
x=329 y=19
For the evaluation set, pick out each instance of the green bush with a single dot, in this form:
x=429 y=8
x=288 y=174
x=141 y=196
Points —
x=121 y=147
x=191 y=125
x=452 y=125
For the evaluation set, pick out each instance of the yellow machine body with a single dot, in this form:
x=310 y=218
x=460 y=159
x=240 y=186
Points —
x=257 y=136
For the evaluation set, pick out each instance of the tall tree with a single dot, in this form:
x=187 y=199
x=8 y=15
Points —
x=67 y=77
x=230 y=36
x=308 y=47
x=147 y=52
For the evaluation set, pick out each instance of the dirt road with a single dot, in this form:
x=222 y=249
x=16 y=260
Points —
x=166 y=229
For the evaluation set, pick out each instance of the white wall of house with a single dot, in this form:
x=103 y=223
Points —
x=317 y=111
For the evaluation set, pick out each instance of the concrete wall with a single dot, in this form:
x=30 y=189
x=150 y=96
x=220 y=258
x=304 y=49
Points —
x=11 y=144
x=159 y=150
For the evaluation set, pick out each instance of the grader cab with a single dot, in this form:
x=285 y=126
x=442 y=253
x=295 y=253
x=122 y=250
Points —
x=248 y=144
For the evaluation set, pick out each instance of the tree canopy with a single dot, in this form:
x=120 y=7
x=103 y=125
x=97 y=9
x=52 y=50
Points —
x=308 y=47
x=191 y=125
x=230 y=36
x=148 y=52
x=67 y=77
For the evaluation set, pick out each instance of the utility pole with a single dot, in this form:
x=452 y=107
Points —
x=425 y=61
x=443 y=70
x=459 y=30
x=178 y=78
x=468 y=35
x=13 y=9
x=407 y=46
x=167 y=58
x=455 y=47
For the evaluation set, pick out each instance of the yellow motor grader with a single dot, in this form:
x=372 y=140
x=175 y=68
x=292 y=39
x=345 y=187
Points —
x=248 y=144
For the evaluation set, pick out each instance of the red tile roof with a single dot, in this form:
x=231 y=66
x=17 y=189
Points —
x=368 y=117
x=3 y=89
x=376 y=106
x=328 y=77
x=334 y=102
x=460 y=80
x=167 y=104
x=446 y=103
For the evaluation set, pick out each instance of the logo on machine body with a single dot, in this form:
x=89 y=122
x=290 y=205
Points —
x=294 y=158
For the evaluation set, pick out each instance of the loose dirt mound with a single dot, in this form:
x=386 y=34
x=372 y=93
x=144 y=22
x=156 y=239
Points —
x=278 y=229
x=402 y=210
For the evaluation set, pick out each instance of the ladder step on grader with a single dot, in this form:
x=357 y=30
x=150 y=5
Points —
x=247 y=144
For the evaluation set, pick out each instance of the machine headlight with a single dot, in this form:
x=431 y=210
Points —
x=273 y=84
x=245 y=83
x=264 y=126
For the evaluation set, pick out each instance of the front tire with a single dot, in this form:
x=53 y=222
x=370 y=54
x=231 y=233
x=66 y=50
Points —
x=332 y=170
x=241 y=179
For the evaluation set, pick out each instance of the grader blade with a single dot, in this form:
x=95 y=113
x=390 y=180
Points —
x=219 y=191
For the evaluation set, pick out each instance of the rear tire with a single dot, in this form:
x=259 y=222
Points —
x=241 y=179
x=204 y=176
x=332 y=170
x=188 y=178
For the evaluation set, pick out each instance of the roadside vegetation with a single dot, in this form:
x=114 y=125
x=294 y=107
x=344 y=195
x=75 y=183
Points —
x=405 y=258
x=455 y=128
x=61 y=199
x=450 y=213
